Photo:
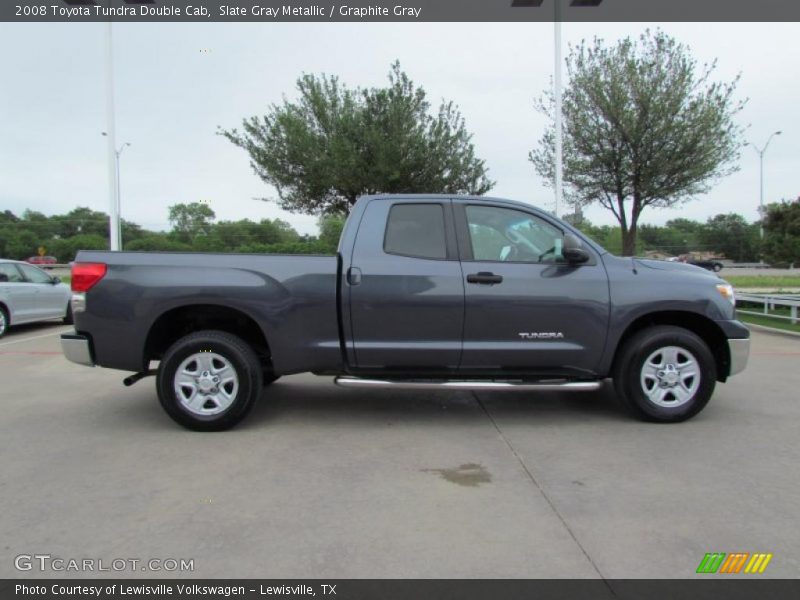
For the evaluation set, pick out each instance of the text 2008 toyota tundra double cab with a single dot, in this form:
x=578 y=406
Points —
x=425 y=292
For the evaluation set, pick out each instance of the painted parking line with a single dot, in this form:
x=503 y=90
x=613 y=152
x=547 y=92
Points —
x=36 y=337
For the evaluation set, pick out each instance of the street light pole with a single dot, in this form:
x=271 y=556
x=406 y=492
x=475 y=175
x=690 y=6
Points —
x=559 y=117
x=113 y=184
x=557 y=84
x=118 y=153
x=761 y=152
x=112 y=170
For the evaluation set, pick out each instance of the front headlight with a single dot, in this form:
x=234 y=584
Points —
x=726 y=291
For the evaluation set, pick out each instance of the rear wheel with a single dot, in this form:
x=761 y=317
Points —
x=209 y=380
x=665 y=374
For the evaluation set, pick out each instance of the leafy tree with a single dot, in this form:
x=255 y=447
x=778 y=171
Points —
x=330 y=230
x=8 y=217
x=191 y=220
x=38 y=224
x=158 y=242
x=19 y=243
x=81 y=220
x=644 y=126
x=66 y=249
x=782 y=233
x=130 y=232
x=334 y=143
x=731 y=236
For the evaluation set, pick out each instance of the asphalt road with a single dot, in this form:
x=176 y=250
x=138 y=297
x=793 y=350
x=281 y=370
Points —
x=325 y=482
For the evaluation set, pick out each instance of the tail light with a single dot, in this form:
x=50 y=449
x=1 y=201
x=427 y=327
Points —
x=86 y=275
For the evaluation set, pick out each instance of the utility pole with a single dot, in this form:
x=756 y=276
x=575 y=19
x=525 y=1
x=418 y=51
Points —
x=761 y=152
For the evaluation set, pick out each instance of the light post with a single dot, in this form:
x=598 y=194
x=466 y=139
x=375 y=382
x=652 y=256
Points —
x=113 y=184
x=761 y=152
x=116 y=202
x=558 y=93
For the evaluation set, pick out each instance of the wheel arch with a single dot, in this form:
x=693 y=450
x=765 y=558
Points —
x=180 y=321
x=705 y=328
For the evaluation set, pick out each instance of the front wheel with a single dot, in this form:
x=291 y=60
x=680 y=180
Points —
x=209 y=380
x=665 y=374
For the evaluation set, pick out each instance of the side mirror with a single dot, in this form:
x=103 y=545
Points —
x=55 y=280
x=573 y=251
x=3 y=278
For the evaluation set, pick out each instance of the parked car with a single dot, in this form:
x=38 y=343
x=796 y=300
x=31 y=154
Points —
x=42 y=260
x=708 y=265
x=28 y=294
x=425 y=292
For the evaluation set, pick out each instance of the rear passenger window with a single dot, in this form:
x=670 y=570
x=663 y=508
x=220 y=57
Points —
x=416 y=230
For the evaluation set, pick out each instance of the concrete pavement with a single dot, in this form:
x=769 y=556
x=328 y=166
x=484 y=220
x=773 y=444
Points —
x=326 y=482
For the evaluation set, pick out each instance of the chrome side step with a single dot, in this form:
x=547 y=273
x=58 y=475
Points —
x=410 y=384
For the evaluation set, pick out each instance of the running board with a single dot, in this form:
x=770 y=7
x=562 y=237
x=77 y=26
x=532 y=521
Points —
x=411 y=384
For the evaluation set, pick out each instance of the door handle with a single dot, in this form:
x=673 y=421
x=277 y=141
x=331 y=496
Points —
x=354 y=276
x=484 y=277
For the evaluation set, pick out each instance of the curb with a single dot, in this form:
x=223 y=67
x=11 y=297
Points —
x=773 y=330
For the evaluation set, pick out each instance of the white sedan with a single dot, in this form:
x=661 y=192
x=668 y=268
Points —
x=29 y=294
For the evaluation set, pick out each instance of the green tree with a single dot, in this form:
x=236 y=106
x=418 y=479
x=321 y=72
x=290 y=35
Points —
x=81 y=220
x=330 y=230
x=65 y=249
x=644 y=126
x=334 y=143
x=191 y=220
x=731 y=236
x=158 y=242
x=19 y=243
x=782 y=233
x=39 y=224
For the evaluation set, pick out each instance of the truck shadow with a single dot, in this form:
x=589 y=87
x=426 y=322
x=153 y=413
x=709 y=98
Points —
x=296 y=399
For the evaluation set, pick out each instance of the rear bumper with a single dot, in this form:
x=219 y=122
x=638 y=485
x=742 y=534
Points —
x=740 y=353
x=77 y=348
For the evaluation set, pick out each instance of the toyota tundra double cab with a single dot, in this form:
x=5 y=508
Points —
x=424 y=292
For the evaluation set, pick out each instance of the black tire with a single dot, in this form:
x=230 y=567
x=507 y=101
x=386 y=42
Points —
x=3 y=321
x=241 y=359
x=628 y=374
x=68 y=316
x=717 y=267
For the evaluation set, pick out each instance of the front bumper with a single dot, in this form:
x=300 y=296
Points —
x=740 y=352
x=77 y=348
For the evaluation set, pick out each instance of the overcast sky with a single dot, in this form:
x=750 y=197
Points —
x=175 y=83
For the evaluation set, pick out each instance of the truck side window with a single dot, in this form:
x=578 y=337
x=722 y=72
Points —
x=507 y=235
x=416 y=230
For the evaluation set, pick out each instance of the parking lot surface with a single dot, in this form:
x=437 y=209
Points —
x=326 y=482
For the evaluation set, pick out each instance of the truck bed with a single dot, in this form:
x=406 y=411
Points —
x=292 y=298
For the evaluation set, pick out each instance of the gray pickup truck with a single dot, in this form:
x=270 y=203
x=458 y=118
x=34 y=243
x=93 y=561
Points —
x=425 y=292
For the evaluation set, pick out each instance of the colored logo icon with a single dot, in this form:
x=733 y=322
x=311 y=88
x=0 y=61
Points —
x=736 y=562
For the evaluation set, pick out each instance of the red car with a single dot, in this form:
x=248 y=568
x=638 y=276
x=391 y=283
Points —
x=42 y=260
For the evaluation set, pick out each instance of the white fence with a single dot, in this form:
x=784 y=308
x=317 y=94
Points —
x=769 y=303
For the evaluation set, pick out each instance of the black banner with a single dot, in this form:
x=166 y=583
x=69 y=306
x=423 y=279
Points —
x=400 y=10
x=713 y=588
